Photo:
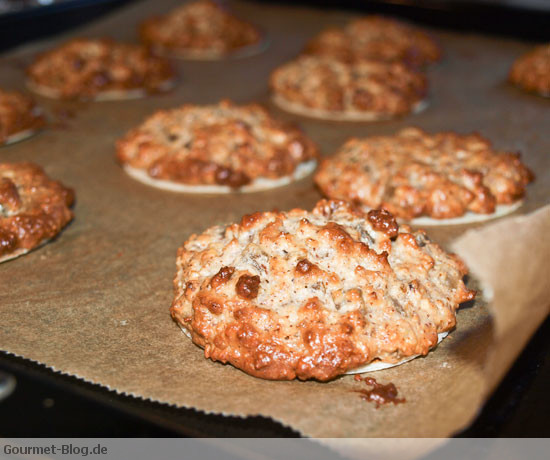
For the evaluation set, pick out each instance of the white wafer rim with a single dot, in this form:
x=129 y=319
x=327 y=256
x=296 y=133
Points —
x=331 y=115
x=112 y=95
x=21 y=252
x=371 y=367
x=210 y=55
x=19 y=136
x=380 y=365
x=26 y=133
x=13 y=255
x=301 y=171
x=468 y=218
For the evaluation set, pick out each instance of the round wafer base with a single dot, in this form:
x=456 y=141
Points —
x=380 y=365
x=301 y=171
x=112 y=95
x=321 y=114
x=209 y=55
x=468 y=218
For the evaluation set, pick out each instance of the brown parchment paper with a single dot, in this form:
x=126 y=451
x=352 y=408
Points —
x=94 y=302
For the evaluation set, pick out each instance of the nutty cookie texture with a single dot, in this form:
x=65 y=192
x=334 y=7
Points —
x=315 y=294
x=224 y=146
x=98 y=69
x=414 y=174
x=202 y=29
x=377 y=38
x=365 y=90
x=19 y=117
x=532 y=71
x=33 y=208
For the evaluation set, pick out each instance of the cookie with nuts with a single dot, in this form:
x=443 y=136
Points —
x=20 y=117
x=531 y=72
x=316 y=294
x=217 y=148
x=329 y=89
x=33 y=208
x=376 y=38
x=427 y=179
x=202 y=30
x=99 y=69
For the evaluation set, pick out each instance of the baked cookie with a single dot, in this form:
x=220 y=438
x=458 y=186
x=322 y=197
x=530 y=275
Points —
x=33 y=208
x=315 y=294
x=531 y=71
x=376 y=38
x=216 y=149
x=19 y=117
x=99 y=69
x=200 y=30
x=325 y=88
x=448 y=177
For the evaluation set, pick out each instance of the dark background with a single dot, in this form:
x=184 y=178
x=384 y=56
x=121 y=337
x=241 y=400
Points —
x=46 y=404
x=528 y=19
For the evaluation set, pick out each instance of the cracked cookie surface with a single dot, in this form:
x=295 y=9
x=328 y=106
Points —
x=201 y=29
x=33 y=208
x=98 y=69
x=223 y=147
x=377 y=38
x=366 y=90
x=414 y=174
x=19 y=116
x=531 y=71
x=312 y=295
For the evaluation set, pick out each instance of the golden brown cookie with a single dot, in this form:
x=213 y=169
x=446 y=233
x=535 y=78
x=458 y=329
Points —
x=448 y=177
x=216 y=149
x=531 y=71
x=361 y=91
x=33 y=208
x=99 y=69
x=315 y=294
x=200 y=30
x=19 y=117
x=376 y=38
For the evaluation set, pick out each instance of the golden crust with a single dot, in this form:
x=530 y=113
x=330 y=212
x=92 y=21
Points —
x=18 y=114
x=532 y=71
x=33 y=208
x=223 y=144
x=314 y=294
x=201 y=28
x=414 y=174
x=368 y=87
x=88 y=68
x=376 y=38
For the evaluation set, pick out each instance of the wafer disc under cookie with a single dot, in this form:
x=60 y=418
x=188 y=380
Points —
x=470 y=217
x=258 y=185
x=299 y=109
x=379 y=365
x=20 y=136
x=111 y=95
x=209 y=55
x=20 y=252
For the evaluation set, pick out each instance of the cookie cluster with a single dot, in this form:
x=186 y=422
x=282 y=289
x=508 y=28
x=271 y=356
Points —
x=296 y=294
